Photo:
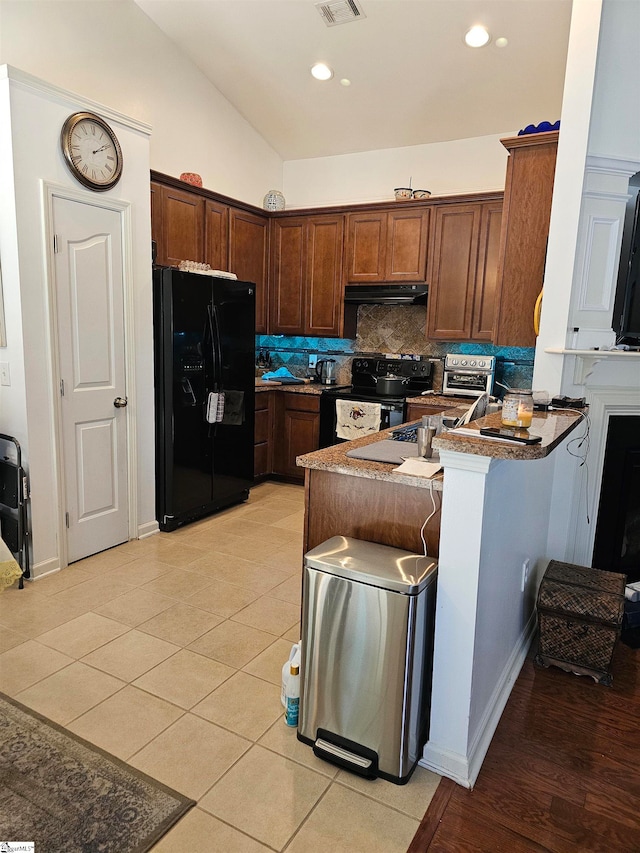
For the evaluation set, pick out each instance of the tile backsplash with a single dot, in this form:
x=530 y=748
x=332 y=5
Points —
x=399 y=330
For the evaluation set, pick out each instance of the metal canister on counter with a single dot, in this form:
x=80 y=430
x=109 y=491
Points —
x=517 y=408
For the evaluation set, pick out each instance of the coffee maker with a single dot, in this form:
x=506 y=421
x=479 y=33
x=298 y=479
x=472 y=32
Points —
x=326 y=371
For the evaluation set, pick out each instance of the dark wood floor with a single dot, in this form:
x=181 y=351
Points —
x=562 y=773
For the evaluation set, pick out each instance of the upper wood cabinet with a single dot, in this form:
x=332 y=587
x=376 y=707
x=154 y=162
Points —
x=248 y=257
x=306 y=275
x=178 y=226
x=463 y=271
x=216 y=234
x=485 y=299
x=193 y=224
x=523 y=243
x=387 y=246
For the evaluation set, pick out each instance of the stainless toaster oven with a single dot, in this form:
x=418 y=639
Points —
x=468 y=375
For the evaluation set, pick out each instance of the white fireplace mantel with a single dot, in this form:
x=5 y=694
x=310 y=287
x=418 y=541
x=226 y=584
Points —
x=586 y=359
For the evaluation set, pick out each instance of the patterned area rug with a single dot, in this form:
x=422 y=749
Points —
x=67 y=795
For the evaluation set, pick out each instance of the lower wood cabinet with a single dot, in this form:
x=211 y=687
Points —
x=296 y=431
x=417 y=410
x=263 y=441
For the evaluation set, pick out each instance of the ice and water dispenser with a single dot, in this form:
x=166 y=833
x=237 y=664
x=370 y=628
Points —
x=367 y=650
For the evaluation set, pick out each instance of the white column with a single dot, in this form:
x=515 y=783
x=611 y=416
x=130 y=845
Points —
x=463 y=500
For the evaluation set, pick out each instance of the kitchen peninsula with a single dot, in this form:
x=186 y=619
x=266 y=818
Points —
x=500 y=521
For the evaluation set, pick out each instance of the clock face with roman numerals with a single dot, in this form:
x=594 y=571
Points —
x=92 y=151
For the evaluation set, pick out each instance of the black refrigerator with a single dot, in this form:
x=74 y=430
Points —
x=204 y=349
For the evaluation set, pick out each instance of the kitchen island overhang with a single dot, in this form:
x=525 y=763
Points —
x=504 y=513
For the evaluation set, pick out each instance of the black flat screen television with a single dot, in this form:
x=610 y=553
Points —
x=626 y=311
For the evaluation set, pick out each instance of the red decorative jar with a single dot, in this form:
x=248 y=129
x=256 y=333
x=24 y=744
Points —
x=191 y=178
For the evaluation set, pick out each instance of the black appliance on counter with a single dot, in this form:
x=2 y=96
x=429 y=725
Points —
x=366 y=375
x=204 y=351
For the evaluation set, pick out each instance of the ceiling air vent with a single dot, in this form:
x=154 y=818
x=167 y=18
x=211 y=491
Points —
x=340 y=12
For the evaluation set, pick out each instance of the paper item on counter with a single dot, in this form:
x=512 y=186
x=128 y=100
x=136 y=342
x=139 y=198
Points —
x=353 y=420
x=417 y=467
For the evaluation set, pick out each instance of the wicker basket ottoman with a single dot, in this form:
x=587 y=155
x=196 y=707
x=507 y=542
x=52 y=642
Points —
x=579 y=618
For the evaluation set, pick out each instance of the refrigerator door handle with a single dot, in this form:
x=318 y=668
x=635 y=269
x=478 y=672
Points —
x=215 y=345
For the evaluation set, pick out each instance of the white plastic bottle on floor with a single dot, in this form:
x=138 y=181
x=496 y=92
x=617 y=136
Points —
x=294 y=658
x=292 y=692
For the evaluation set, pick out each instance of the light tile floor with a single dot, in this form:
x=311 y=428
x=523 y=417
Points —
x=167 y=652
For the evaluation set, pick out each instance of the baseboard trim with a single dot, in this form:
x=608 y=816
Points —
x=46 y=567
x=464 y=769
x=150 y=528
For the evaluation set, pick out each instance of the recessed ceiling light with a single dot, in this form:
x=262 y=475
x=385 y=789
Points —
x=477 y=36
x=502 y=42
x=321 y=71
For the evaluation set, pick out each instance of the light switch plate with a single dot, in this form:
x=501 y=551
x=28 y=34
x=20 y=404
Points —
x=5 y=376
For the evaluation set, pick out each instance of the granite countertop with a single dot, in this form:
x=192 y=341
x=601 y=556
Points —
x=440 y=400
x=335 y=459
x=306 y=388
x=552 y=426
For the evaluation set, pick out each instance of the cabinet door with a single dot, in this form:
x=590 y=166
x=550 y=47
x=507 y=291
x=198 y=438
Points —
x=527 y=211
x=156 y=221
x=323 y=280
x=407 y=235
x=216 y=235
x=417 y=410
x=454 y=256
x=182 y=227
x=486 y=291
x=248 y=253
x=262 y=434
x=366 y=247
x=296 y=431
x=287 y=279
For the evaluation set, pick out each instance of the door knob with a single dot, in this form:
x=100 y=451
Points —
x=120 y=402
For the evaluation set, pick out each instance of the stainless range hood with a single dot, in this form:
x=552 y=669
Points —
x=386 y=294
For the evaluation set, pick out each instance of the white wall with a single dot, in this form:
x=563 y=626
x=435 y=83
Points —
x=112 y=53
x=445 y=168
x=32 y=115
x=599 y=150
x=615 y=122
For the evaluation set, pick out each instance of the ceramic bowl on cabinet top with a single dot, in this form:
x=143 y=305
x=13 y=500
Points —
x=403 y=193
x=421 y=193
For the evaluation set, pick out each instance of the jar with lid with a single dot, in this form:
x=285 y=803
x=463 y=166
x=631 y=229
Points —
x=517 y=408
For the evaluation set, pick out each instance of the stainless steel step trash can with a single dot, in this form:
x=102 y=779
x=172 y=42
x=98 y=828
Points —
x=367 y=651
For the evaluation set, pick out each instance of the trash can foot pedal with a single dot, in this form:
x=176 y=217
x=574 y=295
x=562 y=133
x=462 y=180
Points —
x=347 y=754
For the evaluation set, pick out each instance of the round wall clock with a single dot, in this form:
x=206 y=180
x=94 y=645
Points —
x=92 y=151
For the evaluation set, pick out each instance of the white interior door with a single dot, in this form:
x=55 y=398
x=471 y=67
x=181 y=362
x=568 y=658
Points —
x=90 y=315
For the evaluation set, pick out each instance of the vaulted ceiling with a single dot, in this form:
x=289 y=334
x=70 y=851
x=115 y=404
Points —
x=412 y=78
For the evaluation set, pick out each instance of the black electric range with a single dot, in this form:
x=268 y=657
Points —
x=417 y=376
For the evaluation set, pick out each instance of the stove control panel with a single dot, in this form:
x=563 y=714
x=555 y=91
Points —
x=391 y=367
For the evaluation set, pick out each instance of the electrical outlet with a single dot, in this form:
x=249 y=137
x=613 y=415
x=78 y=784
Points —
x=5 y=376
x=525 y=574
